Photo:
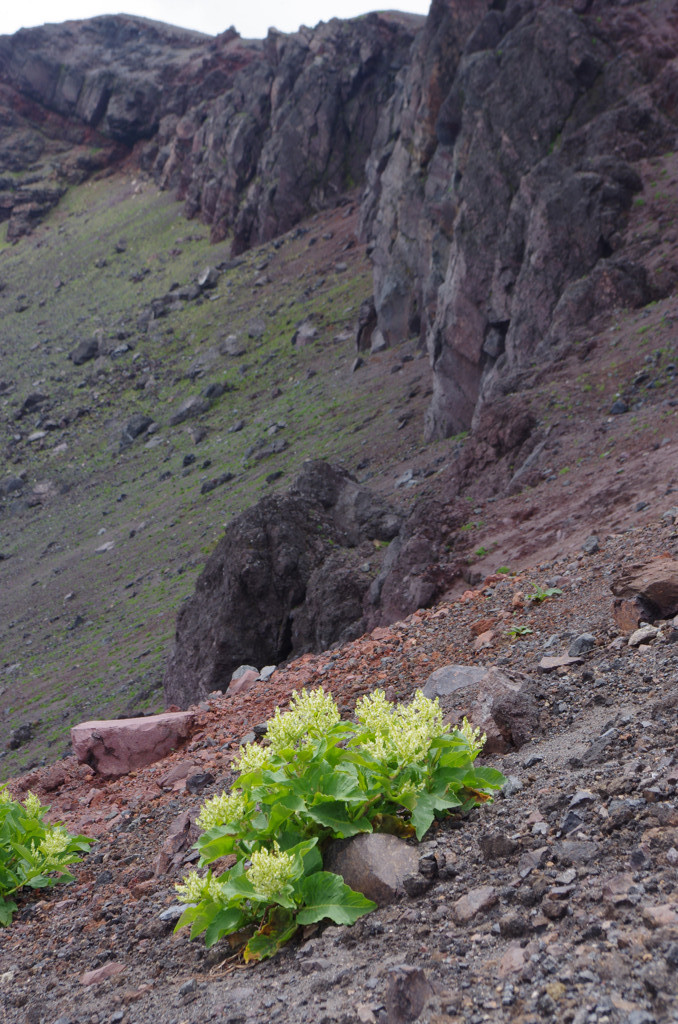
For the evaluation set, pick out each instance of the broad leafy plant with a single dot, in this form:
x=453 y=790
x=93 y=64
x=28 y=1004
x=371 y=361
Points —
x=33 y=853
x=539 y=594
x=317 y=779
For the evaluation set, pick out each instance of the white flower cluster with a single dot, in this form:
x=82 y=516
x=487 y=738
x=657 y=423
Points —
x=271 y=871
x=55 y=842
x=252 y=757
x=472 y=737
x=195 y=888
x=32 y=805
x=223 y=809
x=402 y=732
x=311 y=715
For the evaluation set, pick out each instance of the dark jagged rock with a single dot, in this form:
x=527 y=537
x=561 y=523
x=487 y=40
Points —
x=420 y=564
x=251 y=134
x=283 y=580
x=500 y=180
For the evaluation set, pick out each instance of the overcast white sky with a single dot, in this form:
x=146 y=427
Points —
x=252 y=19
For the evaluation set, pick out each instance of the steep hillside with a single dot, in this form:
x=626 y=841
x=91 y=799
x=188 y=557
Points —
x=354 y=352
x=154 y=384
x=121 y=470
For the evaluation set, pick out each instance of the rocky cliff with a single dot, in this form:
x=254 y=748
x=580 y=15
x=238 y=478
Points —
x=252 y=134
x=503 y=169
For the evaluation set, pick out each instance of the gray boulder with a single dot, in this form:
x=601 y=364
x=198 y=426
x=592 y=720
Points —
x=189 y=409
x=84 y=352
x=498 y=703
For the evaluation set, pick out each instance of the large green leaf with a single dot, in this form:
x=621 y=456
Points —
x=325 y=894
x=215 y=848
x=333 y=815
x=481 y=777
x=7 y=908
x=425 y=808
x=226 y=921
x=279 y=927
x=283 y=808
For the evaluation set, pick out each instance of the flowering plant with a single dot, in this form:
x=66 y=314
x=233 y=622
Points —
x=33 y=854
x=320 y=778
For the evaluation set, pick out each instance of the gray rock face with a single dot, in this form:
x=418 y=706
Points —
x=497 y=703
x=251 y=134
x=284 y=579
x=499 y=183
x=373 y=864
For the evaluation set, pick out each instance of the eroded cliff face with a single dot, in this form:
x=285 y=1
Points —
x=500 y=179
x=252 y=134
x=291 y=133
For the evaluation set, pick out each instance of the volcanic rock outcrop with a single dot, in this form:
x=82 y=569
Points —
x=252 y=134
x=284 y=579
x=500 y=179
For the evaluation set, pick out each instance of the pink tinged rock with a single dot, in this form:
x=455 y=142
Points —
x=100 y=974
x=654 y=582
x=628 y=613
x=176 y=773
x=243 y=683
x=374 y=864
x=114 y=748
x=548 y=664
x=474 y=903
x=665 y=915
x=512 y=961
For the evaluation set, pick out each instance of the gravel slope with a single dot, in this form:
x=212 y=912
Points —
x=573 y=907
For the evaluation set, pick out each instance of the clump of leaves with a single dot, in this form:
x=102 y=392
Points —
x=317 y=779
x=540 y=595
x=33 y=853
x=518 y=631
x=504 y=570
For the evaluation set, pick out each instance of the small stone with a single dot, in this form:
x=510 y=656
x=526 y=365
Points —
x=591 y=545
x=664 y=915
x=512 y=786
x=208 y=278
x=642 y=635
x=407 y=992
x=188 y=987
x=584 y=643
x=497 y=846
x=244 y=682
x=474 y=903
x=549 y=664
x=628 y=613
x=582 y=796
x=532 y=859
x=618 y=407
x=374 y=864
x=512 y=961
x=108 y=970
x=196 y=783
x=172 y=913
